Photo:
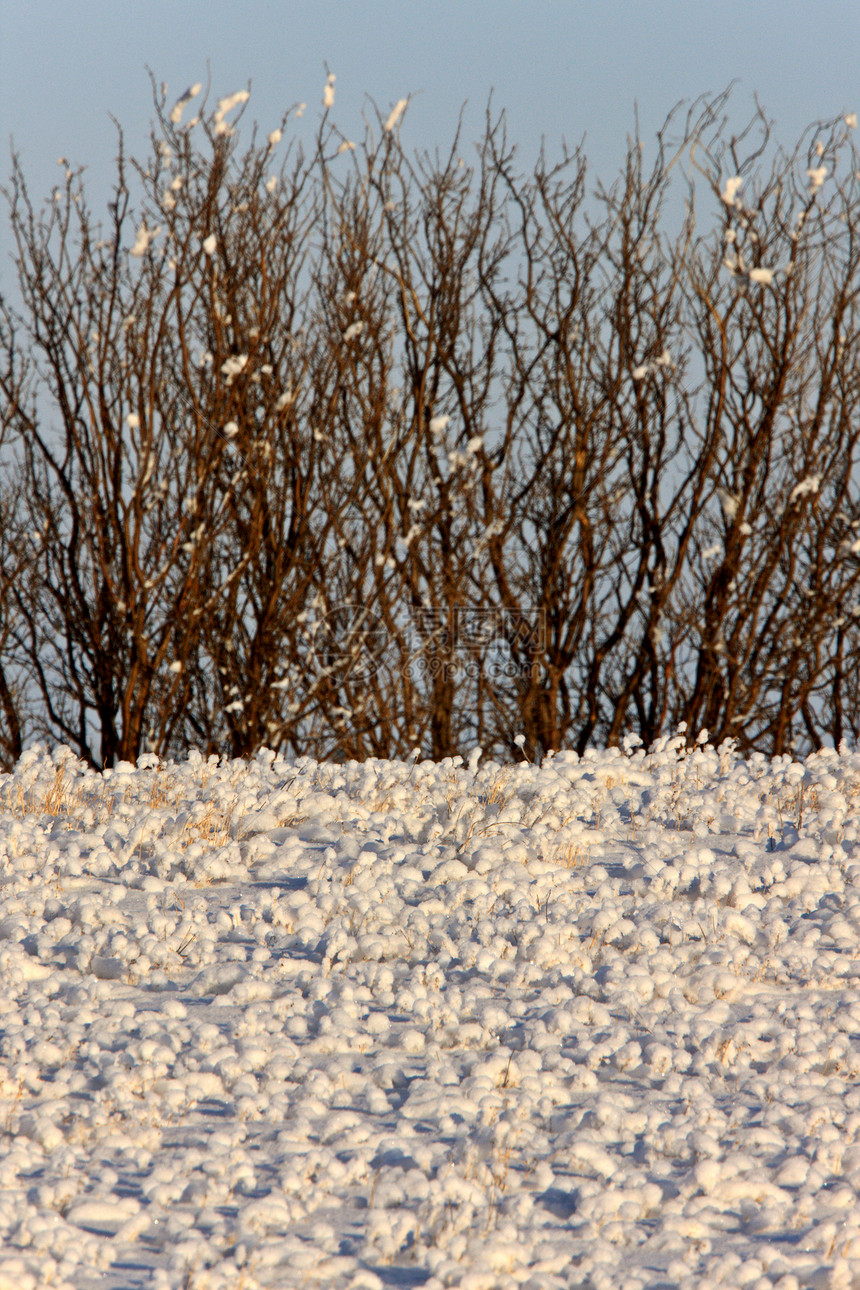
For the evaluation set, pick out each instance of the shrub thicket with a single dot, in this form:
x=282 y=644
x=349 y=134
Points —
x=349 y=451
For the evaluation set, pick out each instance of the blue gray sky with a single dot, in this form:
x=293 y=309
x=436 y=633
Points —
x=561 y=68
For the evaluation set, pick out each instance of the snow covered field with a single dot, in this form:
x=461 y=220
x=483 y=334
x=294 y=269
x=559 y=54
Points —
x=589 y=1024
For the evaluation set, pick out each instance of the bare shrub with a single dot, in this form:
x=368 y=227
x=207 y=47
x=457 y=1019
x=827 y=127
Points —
x=350 y=452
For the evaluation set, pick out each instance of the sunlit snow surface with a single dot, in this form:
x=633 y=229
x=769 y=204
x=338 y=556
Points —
x=590 y=1024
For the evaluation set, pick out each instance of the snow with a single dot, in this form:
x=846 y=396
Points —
x=181 y=103
x=810 y=485
x=142 y=240
x=395 y=114
x=762 y=276
x=225 y=106
x=592 y=1023
x=730 y=191
x=729 y=503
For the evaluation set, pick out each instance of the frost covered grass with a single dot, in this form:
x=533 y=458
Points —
x=594 y=1023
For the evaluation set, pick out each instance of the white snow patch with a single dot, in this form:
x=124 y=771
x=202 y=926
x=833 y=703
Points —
x=395 y=114
x=280 y=1022
x=806 y=487
x=764 y=277
x=732 y=187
